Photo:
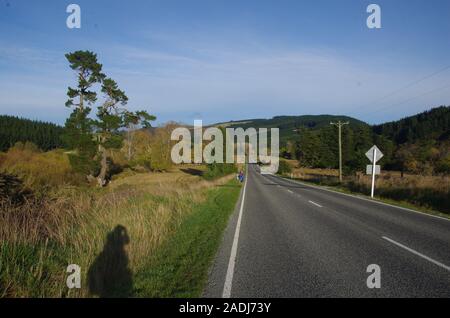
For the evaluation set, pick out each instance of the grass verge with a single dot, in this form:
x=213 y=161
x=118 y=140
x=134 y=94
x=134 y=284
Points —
x=114 y=234
x=180 y=267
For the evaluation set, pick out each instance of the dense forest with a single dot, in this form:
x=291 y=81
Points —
x=422 y=141
x=318 y=148
x=46 y=136
x=432 y=124
x=417 y=144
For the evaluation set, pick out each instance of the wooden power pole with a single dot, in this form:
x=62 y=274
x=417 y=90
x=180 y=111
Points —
x=339 y=124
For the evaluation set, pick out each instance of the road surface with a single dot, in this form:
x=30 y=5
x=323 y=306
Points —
x=288 y=239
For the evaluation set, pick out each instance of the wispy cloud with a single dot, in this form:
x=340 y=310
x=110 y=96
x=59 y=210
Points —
x=29 y=56
x=220 y=83
x=283 y=81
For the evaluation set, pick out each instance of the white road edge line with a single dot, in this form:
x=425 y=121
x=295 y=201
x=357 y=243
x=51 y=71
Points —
x=290 y=191
x=364 y=199
x=417 y=253
x=230 y=271
x=315 y=204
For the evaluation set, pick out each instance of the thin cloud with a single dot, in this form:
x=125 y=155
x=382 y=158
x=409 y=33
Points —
x=227 y=82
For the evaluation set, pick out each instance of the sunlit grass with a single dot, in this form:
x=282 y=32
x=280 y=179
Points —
x=40 y=238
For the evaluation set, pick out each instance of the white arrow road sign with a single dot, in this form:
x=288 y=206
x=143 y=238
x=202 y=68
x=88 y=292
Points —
x=378 y=154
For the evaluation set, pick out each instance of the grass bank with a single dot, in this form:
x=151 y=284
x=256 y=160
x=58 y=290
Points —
x=179 y=268
x=132 y=238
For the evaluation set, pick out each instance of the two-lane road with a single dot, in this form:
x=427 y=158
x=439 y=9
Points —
x=293 y=240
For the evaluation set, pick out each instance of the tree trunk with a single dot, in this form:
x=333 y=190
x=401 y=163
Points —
x=104 y=168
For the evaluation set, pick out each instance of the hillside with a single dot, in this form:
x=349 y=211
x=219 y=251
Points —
x=13 y=129
x=422 y=141
x=419 y=143
x=289 y=125
x=433 y=124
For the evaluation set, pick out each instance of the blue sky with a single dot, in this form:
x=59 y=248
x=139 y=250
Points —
x=236 y=59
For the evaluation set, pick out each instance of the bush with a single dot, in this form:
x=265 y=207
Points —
x=40 y=171
x=84 y=164
x=12 y=189
x=443 y=166
x=2 y=158
x=284 y=167
x=160 y=149
x=217 y=170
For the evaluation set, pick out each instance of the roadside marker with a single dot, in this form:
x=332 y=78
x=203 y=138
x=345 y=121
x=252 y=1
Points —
x=374 y=154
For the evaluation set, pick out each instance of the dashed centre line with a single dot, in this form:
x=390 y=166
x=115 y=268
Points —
x=417 y=253
x=316 y=204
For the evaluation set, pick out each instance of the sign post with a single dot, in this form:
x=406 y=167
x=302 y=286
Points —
x=373 y=172
x=374 y=154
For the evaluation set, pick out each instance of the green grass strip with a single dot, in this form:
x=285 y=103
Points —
x=180 y=266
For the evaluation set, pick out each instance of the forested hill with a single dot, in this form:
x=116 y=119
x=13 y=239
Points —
x=13 y=129
x=433 y=124
x=290 y=125
x=419 y=143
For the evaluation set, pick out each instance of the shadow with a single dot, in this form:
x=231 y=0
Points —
x=109 y=275
x=191 y=171
x=13 y=190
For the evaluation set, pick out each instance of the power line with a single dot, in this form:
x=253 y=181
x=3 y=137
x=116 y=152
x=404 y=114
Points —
x=410 y=99
x=406 y=86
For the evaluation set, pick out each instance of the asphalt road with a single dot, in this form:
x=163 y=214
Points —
x=288 y=239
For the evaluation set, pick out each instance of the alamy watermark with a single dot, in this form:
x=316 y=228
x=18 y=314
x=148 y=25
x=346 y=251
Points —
x=374 y=19
x=73 y=21
x=374 y=279
x=235 y=143
x=74 y=278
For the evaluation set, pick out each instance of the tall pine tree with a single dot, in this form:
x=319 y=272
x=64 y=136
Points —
x=78 y=135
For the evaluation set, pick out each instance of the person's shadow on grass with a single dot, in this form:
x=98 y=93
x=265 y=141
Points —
x=109 y=275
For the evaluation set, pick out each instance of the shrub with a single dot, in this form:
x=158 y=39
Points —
x=40 y=171
x=160 y=148
x=12 y=189
x=443 y=166
x=2 y=158
x=217 y=170
x=284 y=167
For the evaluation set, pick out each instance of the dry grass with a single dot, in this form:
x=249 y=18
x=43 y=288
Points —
x=430 y=192
x=40 y=238
x=40 y=171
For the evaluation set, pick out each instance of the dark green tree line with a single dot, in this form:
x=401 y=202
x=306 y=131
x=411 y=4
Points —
x=418 y=144
x=46 y=136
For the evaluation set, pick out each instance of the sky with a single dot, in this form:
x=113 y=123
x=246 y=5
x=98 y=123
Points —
x=221 y=60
